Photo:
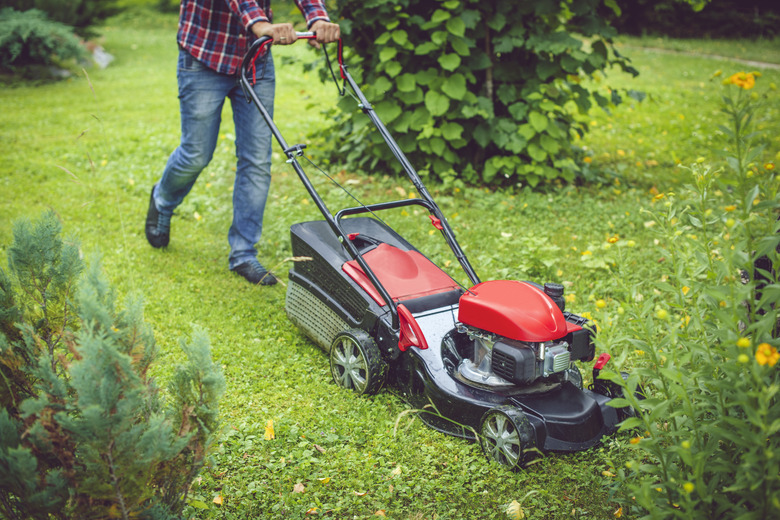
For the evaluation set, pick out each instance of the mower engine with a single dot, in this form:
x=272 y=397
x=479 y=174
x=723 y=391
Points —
x=520 y=334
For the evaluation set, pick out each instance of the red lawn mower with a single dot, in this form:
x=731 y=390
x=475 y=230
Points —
x=493 y=362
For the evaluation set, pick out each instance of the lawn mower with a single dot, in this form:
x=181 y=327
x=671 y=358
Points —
x=493 y=362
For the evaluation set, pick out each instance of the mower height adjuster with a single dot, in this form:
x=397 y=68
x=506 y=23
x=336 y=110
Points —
x=294 y=151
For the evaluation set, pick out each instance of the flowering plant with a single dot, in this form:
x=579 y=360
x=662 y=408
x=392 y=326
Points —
x=708 y=417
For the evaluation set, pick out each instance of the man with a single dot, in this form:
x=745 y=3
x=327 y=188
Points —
x=213 y=37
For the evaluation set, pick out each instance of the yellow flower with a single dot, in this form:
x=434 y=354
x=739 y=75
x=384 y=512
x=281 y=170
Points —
x=587 y=160
x=743 y=358
x=685 y=289
x=619 y=512
x=743 y=342
x=685 y=444
x=613 y=239
x=744 y=80
x=601 y=304
x=689 y=487
x=635 y=440
x=766 y=354
x=662 y=314
x=769 y=166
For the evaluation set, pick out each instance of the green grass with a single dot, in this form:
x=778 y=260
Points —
x=90 y=148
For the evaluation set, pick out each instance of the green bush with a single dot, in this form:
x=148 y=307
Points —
x=29 y=38
x=705 y=340
x=84 y=430
x=82 y=15
x=482 y=92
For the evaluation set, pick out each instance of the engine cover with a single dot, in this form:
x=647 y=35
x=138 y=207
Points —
x=512 y=309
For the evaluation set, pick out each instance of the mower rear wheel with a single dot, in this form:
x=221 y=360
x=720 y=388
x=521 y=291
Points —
x=356 y=363
x=507 y=437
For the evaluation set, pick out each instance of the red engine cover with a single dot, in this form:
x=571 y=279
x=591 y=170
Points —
x=515 y=310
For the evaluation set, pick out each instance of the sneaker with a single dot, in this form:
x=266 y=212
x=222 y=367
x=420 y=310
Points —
x=255 y=273
x=158 y=226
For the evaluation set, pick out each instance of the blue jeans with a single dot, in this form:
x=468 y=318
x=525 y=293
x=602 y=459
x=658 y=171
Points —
x=202 y=93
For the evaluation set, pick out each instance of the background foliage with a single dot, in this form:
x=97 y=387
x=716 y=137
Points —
x=481 y=92
x=82 y=15
x=29 y=39
x=714 y=19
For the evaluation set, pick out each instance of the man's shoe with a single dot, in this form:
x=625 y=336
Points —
x=158 y=226
x=255 y=273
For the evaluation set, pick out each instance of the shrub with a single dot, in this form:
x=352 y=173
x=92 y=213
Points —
x=30 y=39
x=482 y=92
x=84 y=430
x=707 y=433
x=82 y=15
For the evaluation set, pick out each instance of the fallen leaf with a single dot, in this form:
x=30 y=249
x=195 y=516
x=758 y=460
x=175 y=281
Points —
x=218 y=500
x=400 y=191
x=381 y=512
x=298 y=488
x=396 y=471
x=312 y=511
x=359 y=493
x=515 y=511
x=319 y=448
x=324 y=480
x=269 y=430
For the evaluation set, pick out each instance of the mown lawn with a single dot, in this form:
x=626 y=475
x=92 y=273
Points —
x=90 y=148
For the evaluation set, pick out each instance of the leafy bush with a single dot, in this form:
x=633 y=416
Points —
x=482 y=92
x=84 y=432
x=29 y=39
x=82 y=15
x=707 y=441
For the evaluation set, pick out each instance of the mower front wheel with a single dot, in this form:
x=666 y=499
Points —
x=356 y=363
x=507 y=437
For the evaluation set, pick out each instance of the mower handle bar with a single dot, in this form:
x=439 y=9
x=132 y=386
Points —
x=261 y=43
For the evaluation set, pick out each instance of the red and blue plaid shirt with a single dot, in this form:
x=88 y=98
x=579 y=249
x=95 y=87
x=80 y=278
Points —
x=217 y=32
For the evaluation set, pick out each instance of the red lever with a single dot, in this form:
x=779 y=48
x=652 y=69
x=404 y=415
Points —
x=410 y=334
x=601 y=361
x=353 y=236
x=436 y=222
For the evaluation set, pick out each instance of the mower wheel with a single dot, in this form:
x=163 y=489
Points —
x=355 y=362
x=507 y=437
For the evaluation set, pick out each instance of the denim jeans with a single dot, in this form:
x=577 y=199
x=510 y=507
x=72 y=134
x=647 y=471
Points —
x=202 y=93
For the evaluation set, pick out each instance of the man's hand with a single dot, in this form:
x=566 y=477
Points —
x=326 y=32
x=281 y=33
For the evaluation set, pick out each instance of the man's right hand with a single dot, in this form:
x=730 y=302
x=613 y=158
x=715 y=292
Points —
x=281 y=33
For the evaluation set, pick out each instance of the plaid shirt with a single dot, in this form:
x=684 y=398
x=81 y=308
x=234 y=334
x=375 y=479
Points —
x=217 y=32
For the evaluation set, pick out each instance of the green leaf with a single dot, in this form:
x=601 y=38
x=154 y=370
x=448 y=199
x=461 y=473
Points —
x=451 y=131
x=455 y=86
x=538 y=121
x=393 y=68
x=436 y=103
x=437 y=145
x=439 y=16
x=400 y=37
x=460 y=46
x=449 y=61
x=527 y=131
x=518 y=110
x=612 y=4
x=550 y=145
x=456 y=26
x=387 y=111
x=497 y=22
x=406 y=82
x=425 y=48
x=481 y=135
x=387 y=54
x=536 y=153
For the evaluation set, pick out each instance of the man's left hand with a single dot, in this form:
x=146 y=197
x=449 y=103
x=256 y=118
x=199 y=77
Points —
x=326 y=32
